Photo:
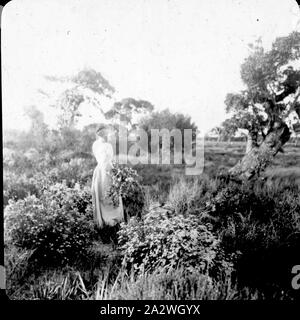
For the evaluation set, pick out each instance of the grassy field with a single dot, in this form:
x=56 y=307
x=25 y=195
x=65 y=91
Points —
x=101 y=275
x=284 y=165
x=219 y=155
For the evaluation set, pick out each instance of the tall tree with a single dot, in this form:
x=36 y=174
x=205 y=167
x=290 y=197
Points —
x=87 y=85
x=271 y=96
x=125 y=109
x=220 y=132
x=38 y=130
x=165 y=119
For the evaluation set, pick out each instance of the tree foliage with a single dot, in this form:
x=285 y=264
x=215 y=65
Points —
x=168 y=120
x=125 y=109
x=265 y=107
x=88 y=86
x=165 y=119
x=271 y=93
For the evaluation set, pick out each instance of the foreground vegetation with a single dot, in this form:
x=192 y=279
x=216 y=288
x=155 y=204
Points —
x=189 y=243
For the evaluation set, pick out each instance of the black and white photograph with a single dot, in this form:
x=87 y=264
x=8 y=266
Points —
x=151 y=151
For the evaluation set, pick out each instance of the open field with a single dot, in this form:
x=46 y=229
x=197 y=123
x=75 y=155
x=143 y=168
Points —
x=284 y=165
x=218 y=155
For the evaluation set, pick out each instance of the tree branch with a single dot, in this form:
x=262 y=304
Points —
x=289 y=90
x=292 y=106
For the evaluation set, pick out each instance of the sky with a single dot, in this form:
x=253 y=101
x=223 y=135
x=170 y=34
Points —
x=184 y=55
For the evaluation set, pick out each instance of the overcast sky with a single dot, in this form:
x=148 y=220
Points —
x=179 y=54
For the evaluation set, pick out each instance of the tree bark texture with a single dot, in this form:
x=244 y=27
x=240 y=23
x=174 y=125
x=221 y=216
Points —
x=258 y=157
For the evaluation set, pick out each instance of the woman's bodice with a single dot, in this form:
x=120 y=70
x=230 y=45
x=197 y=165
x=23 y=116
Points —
x=103 y=152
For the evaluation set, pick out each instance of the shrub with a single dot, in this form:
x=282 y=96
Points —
x=157 y=178
x=166 y=240
x=258 y=225
x=20 y=182
x=58 y=226
x=125 y=184
x=262 y=224
x=190 y=195
x=18 y=186
x=78 y=170
x=272 y=210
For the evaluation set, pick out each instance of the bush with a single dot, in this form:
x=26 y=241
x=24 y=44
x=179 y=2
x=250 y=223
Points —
x=262 y=224
x=272 y=211
x=189 y=196
x=20 y=182
x=58 y=226
x=258 y=225
x=16 y=186
x=74 y=170
x=125 y=184
x=166 y=240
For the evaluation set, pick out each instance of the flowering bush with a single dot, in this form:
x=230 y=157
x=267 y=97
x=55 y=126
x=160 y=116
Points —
x=18 y=186
x=72 y=171
x=125 y=184
x=166 y=239
x=58 y=225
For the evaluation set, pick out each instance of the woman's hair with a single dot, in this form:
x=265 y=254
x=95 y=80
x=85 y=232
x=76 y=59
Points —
x=103 y=130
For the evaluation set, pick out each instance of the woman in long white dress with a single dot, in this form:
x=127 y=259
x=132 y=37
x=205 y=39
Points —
x=104 y=211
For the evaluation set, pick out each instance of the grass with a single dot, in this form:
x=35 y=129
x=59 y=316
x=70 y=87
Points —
x=226 y=155
x=159 y=285
x=218 y=155
x=100 y=275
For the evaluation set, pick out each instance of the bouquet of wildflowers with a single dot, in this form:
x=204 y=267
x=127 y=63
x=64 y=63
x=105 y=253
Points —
x=125 y=184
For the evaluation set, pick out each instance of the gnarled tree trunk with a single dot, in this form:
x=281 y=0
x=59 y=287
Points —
x=258 y=157
x=252 y=137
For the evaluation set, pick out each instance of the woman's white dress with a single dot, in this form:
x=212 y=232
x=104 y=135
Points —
x=104 y=211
